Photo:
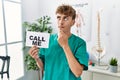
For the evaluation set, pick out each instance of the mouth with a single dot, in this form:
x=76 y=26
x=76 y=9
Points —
x=61 y=27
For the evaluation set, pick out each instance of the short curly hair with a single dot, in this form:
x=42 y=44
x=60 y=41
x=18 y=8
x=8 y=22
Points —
x=66 y=10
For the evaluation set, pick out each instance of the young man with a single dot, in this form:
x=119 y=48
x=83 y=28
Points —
x=66 y=57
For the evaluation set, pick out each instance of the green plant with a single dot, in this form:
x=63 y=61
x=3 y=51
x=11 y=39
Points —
x=40 y=25
x=30 y=62
x=113 y=61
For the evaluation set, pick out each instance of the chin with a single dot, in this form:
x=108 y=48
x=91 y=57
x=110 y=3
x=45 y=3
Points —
x=61 y=29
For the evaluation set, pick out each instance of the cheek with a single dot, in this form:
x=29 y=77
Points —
x=70 y=24
x=68 y=27
x=58 y=23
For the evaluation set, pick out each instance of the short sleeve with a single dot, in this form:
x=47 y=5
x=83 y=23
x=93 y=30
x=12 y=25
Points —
x=82 y=55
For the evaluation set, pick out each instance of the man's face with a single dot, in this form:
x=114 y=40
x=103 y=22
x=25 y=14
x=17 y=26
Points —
x=64 y=22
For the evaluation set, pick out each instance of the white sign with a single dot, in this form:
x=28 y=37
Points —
x=37 y=38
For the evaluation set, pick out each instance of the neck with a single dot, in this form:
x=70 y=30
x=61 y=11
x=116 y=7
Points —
x=68 y=34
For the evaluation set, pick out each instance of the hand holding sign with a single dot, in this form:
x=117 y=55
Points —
x=39 y=39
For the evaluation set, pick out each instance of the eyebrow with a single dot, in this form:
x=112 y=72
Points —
x=58 y=16
x=63 y=17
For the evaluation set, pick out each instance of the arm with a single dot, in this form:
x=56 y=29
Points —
x=39 y=63
x=74 y=65
x=33 y=52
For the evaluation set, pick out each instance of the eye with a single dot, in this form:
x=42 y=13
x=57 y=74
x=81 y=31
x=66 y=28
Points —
x=66 y=19
x=58 y=17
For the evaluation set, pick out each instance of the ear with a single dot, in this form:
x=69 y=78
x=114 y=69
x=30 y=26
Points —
x=73 y=22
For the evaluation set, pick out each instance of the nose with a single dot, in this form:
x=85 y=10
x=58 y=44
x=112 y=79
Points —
x=61 y=22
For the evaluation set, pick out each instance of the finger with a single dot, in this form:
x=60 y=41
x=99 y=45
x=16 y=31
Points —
x=36 y=56
x=35 y=52
x=32 y=49
x=35 y=46
x=60 y=31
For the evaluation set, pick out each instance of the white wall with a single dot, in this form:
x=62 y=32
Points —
x=110 y=17
x=33 y=9
x=30 y=12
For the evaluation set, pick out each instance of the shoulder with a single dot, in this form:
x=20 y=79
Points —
x=78 y=39
x=52 y=36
